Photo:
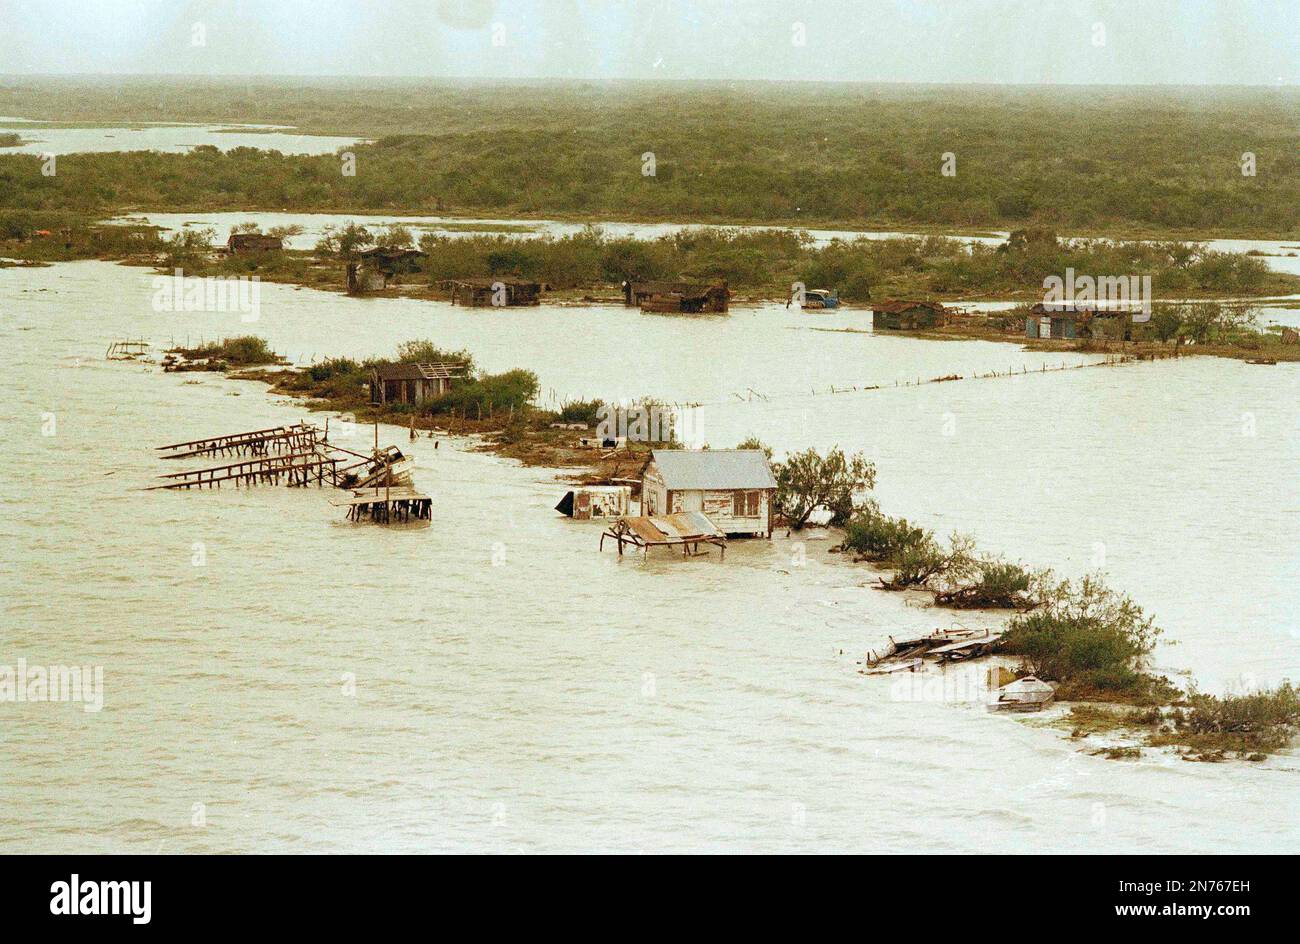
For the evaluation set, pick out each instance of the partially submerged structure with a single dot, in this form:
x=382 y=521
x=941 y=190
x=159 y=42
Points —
x=376 y=267
x=685 y=297
x=1026 y=694
x=733 y=487
x=944 y=645
x=411 y=383
x=252 y=242
x=687 y=530
x=896 y=315
x=494 y=292
x=596 y=501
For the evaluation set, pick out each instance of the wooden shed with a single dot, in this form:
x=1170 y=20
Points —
x=734 y=488
x=411 y=383
x=595 y=501
x=481 y=293
x=252 y=242
x=1049 y=321
x=677 y=296
x=908 y=315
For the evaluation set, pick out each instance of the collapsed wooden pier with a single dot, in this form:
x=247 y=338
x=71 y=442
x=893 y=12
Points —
x=301 y=455
x=298 y=438
x=294 y=469
x=387 y=505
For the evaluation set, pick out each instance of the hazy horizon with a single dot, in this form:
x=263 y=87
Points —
x=1176 y=43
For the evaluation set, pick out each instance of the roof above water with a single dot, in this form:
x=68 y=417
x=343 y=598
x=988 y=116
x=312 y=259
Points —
x=692 y=469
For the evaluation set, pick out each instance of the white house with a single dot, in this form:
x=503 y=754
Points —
x=733 y=487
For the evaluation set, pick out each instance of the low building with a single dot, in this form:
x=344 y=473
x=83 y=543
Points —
x=908 y=315
x=496 y=291
x=1044 y=321
x=252 y=242
x=734 y=488
x=377 y=267
x=1079 y=320
x=595 y=501
x=411 y=383
x=678 y=296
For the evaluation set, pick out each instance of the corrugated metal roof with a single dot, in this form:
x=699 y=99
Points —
x=439 y=371
x=693 y=469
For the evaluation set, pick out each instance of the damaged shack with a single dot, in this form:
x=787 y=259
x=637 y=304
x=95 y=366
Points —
x=376 y=268
x=252 y=242
x=495 y=292
x=411 y=383
x=685 y=297
x=896 y=315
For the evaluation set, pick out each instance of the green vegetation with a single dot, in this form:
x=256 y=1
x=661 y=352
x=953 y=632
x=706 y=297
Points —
x=244 y=351
x=1251 y=725
x=10 y=139
x=1087 y=637
x=807 y=482
x=1156 y=161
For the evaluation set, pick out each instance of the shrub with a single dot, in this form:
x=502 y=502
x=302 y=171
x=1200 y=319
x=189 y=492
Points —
x=1087 y=634
x=877 y=537
x=580 y=411
x=806 y=482
x=991 y=583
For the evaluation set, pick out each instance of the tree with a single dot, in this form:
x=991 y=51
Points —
x=806 y=482
x=1166 y=323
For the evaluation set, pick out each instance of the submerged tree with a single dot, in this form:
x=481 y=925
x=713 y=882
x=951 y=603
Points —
x=807 y=481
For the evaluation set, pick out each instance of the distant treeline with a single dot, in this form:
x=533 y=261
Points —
x=1077 y=160
x=860 y=269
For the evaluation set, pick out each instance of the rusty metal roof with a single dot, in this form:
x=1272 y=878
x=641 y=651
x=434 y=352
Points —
x=693 y=469
x=672 y=529
x=439 y=371
x=894 y=307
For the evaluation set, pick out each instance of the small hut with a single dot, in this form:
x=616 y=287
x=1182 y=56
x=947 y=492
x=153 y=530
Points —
x=252 y=242
x=908 y=315
x=595 y=501
x=733 y=487
x=678 y=296
x=494 y=292
x=376 y=267
x=411 y=383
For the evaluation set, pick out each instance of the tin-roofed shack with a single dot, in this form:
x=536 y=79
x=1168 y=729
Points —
x=897 y=315
x=252 y=242
x=733 y=487
x=494 y=292
x=411 y=383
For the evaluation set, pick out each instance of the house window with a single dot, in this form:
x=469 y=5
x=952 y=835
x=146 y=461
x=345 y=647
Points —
x=745 y=504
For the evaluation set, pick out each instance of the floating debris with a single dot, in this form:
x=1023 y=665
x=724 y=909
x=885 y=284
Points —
x=946 y=645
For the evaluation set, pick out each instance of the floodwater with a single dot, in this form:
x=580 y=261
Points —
x=170 y=138
x=276 y=679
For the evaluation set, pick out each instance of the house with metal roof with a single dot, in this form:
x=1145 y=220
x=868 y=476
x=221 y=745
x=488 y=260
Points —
x=734 y=488
x=411 y=383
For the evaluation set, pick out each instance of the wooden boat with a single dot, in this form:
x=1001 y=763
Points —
x=1262 y=360
x=1025 y=694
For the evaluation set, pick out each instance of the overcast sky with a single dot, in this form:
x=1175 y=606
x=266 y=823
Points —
x=1229 y=42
